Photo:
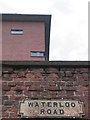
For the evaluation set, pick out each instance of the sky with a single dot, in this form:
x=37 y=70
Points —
x=69 y=25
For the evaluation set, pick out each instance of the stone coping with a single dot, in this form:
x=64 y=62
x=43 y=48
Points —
x=47 y=63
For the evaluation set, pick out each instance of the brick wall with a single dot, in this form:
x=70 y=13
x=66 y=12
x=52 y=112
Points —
x=43 y=80
x=18 y=47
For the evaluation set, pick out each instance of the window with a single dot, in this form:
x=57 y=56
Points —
x=36 y=54
x=16 y=32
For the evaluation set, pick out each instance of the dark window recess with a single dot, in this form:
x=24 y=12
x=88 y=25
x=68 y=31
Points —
x=37 y=54
x=16 y=32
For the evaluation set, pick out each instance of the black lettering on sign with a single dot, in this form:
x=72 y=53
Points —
x=61 y=111
x=43 y=103
x=36 y=105
x=67 y=104
x=73 y=104
x=55 y=112
x=49 y=111
x=60 y=104
x=42 y=111
x=30 y=104
x=49 y=104
x=55 y=104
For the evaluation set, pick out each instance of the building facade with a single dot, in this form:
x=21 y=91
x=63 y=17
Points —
x=25 y=37
x=33 y=87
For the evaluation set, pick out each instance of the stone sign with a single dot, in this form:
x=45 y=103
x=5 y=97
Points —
x=51 y=108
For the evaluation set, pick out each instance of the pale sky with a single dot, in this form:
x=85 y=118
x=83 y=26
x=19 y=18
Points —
x=69 y=24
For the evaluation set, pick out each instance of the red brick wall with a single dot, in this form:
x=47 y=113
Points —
x=43 y=82
x=18 y=47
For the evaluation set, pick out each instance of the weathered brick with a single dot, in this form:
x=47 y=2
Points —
x=80 y=78
x=83 y=69
x=28 y=83
x=27 y=93
x=68 y=74
x=6 y=79
x=12 y=97
x=35 y=94
x=69 y=88
x=13 y=115
x=85 y=75
x=79 y=93
x=62 y=74
x=21 y=74
x=53 y=83
x=61 y=83
x=66 y=79
x=12 y=109
x=18 y=79
x=29 y=75
x=84 y=99
x=18 y=92
x=59 y=93
x=75 y=83
x=14 y=75
x=19 y=83
x=38 y=75
x=84 y=83
x=82 y=88
x=43 y=94
x=53 y=88
x=4 y=92
x=6 y=75
x=52 y=94
x=36 y=83
x=86 y=78
x=53 y=75
x=5 y=88
x=4 y=83
x=86 y=93
x=53 y=79
x=4 y=108
x=35 y=88
x=75 y=97
x=5 y=114
x=19 y=88
x=77 y=69
x=79 y=75
x=17 y=98
x=43 y=83
x=4 y=97
x=10 y=92
x=36 y=79
x=69 y=83
x=12 y=84
x=8 y=103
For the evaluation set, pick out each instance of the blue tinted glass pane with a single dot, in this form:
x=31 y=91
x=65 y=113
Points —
x=33 y=54
x=39 y=54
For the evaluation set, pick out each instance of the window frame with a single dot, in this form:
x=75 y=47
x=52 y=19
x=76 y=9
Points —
x=16 y=32
x=37 y=54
